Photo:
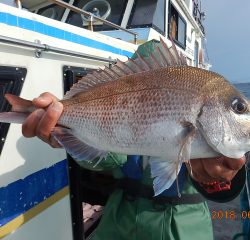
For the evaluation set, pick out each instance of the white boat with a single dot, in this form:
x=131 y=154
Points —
x=47 y=47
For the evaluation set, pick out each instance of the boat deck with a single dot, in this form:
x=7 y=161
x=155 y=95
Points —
x=225 y=226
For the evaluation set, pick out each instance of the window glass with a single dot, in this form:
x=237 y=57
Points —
x=177 y=27
x=173 y=23
x=117 y=9
x=181 y=31
x=144 y=12
x=53 y=11
x=159 y=17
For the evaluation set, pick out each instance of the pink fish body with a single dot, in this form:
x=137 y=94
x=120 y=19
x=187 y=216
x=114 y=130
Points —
x=155 y=106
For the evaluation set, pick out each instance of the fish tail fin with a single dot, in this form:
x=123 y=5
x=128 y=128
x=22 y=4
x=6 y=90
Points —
x=19 y=104
x=13 y=117
x=21 y=109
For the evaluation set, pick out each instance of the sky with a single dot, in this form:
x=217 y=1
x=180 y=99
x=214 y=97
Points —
x=9 y=2
x=227 y=27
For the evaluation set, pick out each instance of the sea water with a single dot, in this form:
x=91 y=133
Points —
x=244 y=88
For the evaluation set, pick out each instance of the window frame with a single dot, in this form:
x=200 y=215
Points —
x=13 y=78
x=181 y=45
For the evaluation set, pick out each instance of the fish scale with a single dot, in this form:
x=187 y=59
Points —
x=155 y=106
x=132 y=114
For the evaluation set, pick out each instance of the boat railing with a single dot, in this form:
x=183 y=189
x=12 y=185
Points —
x=39 y=48
x=92 y=16
x=198 y=16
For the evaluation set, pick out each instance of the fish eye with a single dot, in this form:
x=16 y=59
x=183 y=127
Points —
x=239 y=105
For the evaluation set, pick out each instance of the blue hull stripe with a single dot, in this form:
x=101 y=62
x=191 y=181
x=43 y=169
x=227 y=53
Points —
x=38 y=27
x=22 y=195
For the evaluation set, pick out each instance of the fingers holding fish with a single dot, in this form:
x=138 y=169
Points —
x=44 y=100
x=212 y=170
x=30 y=125
x=233 y=163
x=48 y=122
x=199 y=173
x=220 y=171
x=40 y=123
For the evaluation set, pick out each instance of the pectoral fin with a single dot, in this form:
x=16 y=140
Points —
x=184 y=154
x=165 y=172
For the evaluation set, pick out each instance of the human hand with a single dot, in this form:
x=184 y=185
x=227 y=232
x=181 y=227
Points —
x=210 y=170
x=40 y=123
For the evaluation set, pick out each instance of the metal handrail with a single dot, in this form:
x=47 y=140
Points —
x=197 y=16
x=47 y=48
x=88 y=14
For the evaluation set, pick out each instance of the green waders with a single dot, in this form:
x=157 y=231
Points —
x=138 y=220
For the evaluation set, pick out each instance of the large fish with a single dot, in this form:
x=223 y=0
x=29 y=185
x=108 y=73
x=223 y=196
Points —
x=155 y=106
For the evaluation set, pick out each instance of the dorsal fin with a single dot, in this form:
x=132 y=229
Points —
x=134 y=66
x=110 y=72
x=99 y=76
x=119 y=70
x=159 y=56
x=174 y=52
x=142 y=63
x=166 y=53
x=162 y=56
x=106 y=77
x=124 y=67
x=153 y=61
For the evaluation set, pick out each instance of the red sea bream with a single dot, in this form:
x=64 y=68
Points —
x=155 y=106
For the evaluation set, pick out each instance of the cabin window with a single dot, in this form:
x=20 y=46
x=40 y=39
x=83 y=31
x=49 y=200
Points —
x=159 y=17
x=53 y=11
x=115 y=16
x=84 y=184
x=143 y=12
x=11 y=81
x=148 y=13
x=177 y=27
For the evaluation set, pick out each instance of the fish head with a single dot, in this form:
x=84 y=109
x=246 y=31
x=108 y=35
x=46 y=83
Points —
x=224 y=119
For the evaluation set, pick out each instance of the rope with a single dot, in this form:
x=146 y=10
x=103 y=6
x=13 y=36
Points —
x=238 y=235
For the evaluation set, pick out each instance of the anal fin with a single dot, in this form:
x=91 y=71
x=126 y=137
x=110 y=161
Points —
x=75 y=147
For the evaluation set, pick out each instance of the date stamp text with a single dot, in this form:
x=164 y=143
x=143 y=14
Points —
x=230 y=215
